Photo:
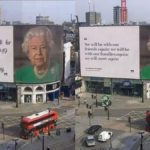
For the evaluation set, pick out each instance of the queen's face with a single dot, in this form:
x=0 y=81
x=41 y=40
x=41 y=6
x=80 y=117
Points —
x=38 y=52
x=148 y=45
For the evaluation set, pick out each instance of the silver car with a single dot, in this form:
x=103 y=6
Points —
x=90 y=140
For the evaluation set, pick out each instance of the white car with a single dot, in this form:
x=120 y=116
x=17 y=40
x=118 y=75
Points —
x=90 y=140
x=104 y=136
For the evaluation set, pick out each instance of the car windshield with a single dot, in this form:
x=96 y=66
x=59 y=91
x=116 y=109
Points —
x=93 y=128
x=90 y=138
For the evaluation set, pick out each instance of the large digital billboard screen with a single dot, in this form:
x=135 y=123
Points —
x=6 y=54
x=110 y=51
x=145 y=52
x=38 y=54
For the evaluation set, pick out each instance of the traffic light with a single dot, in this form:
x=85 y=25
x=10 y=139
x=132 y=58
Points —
x=129 y=119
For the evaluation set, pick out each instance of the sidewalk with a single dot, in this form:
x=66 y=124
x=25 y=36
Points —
x=118 y=102
x=10 y=107
x=131 y=141
x=126 y=140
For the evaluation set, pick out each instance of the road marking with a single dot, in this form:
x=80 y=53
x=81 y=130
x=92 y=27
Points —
x=135 y=115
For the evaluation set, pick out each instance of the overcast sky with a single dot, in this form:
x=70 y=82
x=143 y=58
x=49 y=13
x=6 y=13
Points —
x=61 y=10
x=27 y=10
x=138 y=10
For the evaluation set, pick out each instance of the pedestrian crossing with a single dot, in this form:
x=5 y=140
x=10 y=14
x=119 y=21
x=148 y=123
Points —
x=135 y=115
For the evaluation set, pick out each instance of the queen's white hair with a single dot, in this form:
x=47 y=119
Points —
x=38 y=32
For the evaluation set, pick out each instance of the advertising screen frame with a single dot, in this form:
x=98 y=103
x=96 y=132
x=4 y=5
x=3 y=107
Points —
x=117 y=43
x=54 y=56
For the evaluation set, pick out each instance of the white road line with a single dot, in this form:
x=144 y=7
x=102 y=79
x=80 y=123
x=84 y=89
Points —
x=135 y=115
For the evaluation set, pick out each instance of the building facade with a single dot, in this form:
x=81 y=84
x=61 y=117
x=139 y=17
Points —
x=93 y=18
x=43 y=20
x=37 y=93
x=117 y=15
x=124 y=87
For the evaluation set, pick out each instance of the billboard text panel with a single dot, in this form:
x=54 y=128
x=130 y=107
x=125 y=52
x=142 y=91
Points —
x=110 y=51
x=6 y=54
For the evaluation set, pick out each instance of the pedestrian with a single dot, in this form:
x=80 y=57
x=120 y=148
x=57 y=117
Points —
x=92 y=96
x=96 y=102
x=92 y=112
x=87 y=105
x=89 y=114
x=78 y=102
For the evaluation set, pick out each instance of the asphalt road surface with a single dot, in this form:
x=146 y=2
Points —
x=12 y=130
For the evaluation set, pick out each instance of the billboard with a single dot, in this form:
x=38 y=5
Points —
x=38 y=54
x=110 y=51
x=145 y=52
x=6 y=54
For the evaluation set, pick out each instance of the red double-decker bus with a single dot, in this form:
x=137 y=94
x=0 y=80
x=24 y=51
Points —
x=37 y=123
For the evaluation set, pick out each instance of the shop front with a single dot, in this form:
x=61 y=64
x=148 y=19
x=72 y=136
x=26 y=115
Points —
x=39 y=93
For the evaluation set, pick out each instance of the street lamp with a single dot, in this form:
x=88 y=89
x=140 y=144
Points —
x=15 y=140
x=142 y=91
x=141 y=145
x=129 y=120
x=89 y=116
x=96 y=102
x=106 y=108
x=3 y=129
x=110 y=146
x=43 y=140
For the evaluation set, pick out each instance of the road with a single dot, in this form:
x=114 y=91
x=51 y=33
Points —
x=80 y=141
x=65 y=141
x=12 y=128
x=118 y=123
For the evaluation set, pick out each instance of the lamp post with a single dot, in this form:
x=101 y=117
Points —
x=43 y=140
x=89 y=116
x=106 y=108
x=110 y=146
x=3 y=129
x=96 y=102
x=111 y=86
x=15 y=140
x=108 y=113
x=142 y=91
x=141 y=144
x=129 y=120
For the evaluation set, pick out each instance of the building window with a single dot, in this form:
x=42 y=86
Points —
x=28 y=89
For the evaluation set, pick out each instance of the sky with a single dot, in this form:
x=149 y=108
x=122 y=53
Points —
x=138 y=10
x=62 y=10
x=27 y=10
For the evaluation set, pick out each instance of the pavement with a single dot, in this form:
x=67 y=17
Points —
x=126 y=140
x=8 y=109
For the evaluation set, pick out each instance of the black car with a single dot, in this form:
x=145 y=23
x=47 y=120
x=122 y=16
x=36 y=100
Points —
x=93 y=129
